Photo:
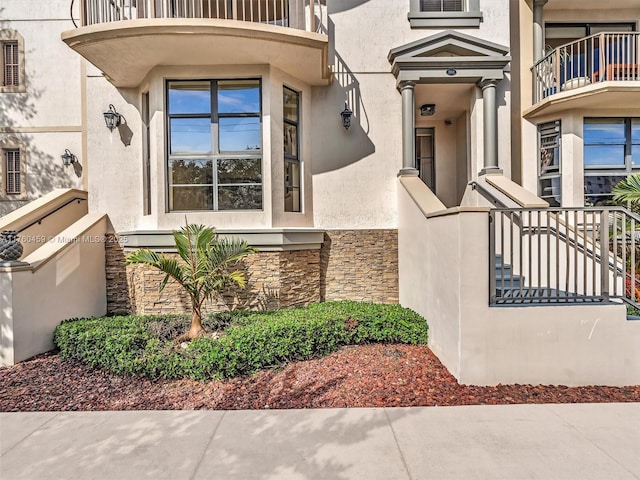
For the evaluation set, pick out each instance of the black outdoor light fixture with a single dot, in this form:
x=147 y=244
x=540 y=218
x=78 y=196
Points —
x=112 y=118
x=427 y=110
x=68 y=158
x=346 y=116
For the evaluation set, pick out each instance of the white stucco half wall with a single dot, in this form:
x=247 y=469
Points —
x=444 y=276
x=64 y=278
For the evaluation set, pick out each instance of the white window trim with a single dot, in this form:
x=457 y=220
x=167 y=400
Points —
x=13 y=144
x=470 y=18
x=6 y=36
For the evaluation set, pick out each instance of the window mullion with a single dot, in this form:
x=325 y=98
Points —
x=215 y=140
x=627 y=146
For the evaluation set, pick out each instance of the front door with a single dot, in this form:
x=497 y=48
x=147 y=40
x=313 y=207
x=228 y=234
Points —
x=425 y=159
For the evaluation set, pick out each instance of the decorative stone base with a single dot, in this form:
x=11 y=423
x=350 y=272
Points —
x=351 y=265
x=359 y=265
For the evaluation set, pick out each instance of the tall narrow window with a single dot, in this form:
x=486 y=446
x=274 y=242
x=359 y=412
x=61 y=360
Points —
x=549 y=162
x=12 y=169
x=11 y=64
x=146 y=172
x=215 y=145
x=425 y=156
x=291 y=150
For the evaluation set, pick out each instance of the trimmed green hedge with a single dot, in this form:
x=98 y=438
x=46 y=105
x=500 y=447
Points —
x=142 y=345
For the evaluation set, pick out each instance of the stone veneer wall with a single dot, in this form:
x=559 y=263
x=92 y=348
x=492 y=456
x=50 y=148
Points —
x=359 y=265
x=352 y=264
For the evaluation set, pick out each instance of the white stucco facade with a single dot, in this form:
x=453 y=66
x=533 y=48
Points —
x=45 y=116
x=473 y=83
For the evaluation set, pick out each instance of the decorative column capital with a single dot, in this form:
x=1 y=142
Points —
x=488 y=83
x=406 y=85
x=539 y=3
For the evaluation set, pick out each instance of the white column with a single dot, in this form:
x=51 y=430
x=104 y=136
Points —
x=490 y=126
x=538 y=29
x=408 y=129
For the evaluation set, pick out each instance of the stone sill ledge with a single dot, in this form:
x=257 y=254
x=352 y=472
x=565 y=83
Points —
x=265 y=240
x=445 y=19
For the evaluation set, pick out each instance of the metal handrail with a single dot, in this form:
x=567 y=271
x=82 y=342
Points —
x=51 y=212
x=298 y=14
x=564 y=255
x=605 y=56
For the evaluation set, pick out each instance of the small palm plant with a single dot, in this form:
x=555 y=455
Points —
x=627 y=191
x=206 y=269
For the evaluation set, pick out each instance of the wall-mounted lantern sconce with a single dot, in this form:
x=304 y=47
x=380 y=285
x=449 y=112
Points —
x=346 y=116
x=112 y=118
x=68 y=158
x=427 y=110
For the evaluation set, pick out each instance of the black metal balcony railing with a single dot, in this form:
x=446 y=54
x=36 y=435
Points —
x=597 y=58
x=299 y=14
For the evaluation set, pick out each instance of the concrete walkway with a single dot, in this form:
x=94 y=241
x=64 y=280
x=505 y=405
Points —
x=549 y=442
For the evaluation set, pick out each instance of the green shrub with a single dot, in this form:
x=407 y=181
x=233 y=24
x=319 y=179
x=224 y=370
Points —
x=141 y=345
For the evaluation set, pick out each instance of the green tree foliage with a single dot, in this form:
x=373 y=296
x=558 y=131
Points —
x=628 y=192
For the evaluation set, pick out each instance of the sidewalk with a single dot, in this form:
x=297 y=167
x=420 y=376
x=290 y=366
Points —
x=550 y=442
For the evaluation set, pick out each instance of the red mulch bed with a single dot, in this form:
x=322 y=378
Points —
x=363 y=376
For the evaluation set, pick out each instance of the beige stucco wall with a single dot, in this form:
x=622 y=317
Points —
x=349 y=176
x=354 y=172
x=47 y=117
x=444 y=276
x=64 y=279
x=572 y=116
x=116 y=183
x=436 y=299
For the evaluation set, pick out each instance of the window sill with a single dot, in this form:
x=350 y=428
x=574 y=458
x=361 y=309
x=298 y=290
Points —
x=445 y=19
x=13 y=89
x=14 y=197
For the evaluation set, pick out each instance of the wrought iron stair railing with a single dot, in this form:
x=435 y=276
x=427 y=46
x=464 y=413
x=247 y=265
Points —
x=564 y=255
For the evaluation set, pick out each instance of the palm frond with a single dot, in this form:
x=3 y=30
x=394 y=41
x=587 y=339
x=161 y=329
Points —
x=165 y=264
x=627 y=190
x=229 y=250
x=173 y=269
x=181 y=239
x=144 y=256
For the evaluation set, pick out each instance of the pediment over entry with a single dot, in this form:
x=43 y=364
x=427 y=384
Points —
x=449 y=56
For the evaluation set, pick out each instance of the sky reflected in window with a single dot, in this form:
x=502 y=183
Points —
x=240 y=134
x=189 y=97
x=190 y=136
x=239 y=96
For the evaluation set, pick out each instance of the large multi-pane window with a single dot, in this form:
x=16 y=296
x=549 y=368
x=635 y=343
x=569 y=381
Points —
x=291 y=119
x=611 y=152
x=215 y=144
x=13 y=184
x=549 y=162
